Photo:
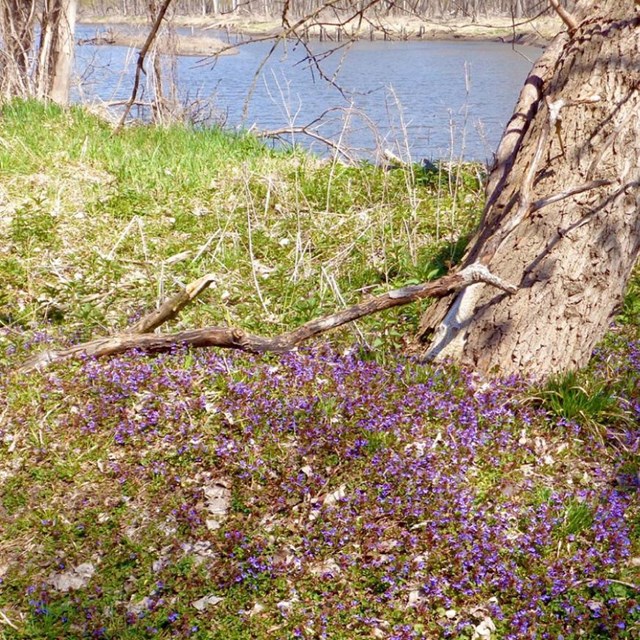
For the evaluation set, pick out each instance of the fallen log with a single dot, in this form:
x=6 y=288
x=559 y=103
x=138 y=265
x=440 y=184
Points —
x=139 y=339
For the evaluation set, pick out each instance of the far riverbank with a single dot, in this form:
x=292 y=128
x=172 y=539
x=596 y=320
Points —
x=497 y=29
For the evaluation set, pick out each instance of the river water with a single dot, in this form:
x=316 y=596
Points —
x=419 y=99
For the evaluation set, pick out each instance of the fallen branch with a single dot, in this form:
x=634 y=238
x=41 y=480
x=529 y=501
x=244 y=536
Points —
x=170 y=309
x=234 y=338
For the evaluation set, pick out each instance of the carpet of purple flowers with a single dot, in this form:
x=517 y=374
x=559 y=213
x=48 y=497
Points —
x=313 y=495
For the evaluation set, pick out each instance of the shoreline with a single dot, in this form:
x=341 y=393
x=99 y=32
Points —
x=497 y=29
x=167 y=44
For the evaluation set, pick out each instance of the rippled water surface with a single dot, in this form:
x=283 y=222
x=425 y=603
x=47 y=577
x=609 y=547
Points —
x=423 y=98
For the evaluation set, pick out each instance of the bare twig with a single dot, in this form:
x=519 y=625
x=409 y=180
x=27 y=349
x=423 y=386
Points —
x=311 y=130
x=524 y=197
x=5 y=620
x=170 y=309
x=566 y=17
x=525 y=205
x=234 y=338
x=567 y=193
x=140 y=64
x=593 y=582
x=527 y=106
x=308 y=131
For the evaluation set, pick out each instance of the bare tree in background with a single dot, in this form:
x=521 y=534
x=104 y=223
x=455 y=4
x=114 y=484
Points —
x=300 y=8
x=31 y=67
x=17 y=22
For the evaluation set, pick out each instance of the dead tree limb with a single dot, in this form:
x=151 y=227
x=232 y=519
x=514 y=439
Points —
x=234 y=338
x=140 y=64
x=170 y=308
x=566 y=17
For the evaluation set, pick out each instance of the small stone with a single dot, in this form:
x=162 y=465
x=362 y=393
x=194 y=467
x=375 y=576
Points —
x=206 y=601
x=484 y=630
x=73 y=580
x=139 y=606
x=338 y=494
x=327 y=568
x=285 y=606
x=218 y=497
x=313 y=514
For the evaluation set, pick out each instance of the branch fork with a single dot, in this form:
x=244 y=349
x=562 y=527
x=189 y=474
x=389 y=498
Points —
x=139 y=335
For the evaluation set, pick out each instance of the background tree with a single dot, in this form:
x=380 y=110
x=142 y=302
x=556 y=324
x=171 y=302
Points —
x=31 y=67
x=300 y=8
x=17 y=21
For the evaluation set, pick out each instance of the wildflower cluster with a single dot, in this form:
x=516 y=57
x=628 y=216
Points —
x=315 y=494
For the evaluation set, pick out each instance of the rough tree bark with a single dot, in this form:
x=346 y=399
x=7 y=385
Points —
x=45 y=73
x=57 y=43
x=562 y=218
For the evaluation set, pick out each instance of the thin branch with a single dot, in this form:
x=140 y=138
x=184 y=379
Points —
x=296 y=31
x=5 y=620
x=567 y=193
x=524 y=113
x=311 y=130
x=307 y=131
x=524 y=197
x=566 y=17
x=234 y=338
x=593 y=582
x=140 y=64
x=170 y=309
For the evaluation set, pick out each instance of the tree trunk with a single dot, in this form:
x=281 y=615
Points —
x=17 y=19
x=55 y=57
x=562 y=217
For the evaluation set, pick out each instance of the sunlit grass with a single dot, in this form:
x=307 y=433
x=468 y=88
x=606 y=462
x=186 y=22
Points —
x=104 y=226
x=362 y=495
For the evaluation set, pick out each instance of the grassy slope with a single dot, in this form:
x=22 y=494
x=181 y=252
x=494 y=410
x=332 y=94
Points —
x=96 y=226
x=355 y=498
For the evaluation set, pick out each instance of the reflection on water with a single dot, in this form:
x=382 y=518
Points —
x=427 y=99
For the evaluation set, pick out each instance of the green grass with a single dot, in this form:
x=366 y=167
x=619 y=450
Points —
x=95 y=229
x=576 y=397
x=100 y=227
x=629 y=313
